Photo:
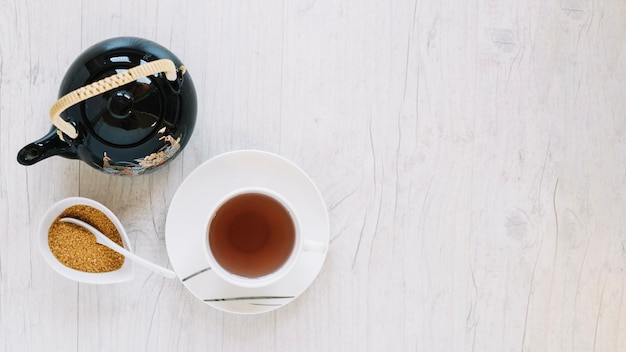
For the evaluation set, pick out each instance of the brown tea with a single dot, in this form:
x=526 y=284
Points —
x=251 y=235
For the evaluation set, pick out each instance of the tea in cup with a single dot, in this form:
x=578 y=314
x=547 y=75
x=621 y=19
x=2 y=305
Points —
x=254 y=238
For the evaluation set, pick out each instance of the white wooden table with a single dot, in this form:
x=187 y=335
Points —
x=472 y=155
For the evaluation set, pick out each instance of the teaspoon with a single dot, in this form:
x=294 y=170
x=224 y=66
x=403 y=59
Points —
x=104 y=240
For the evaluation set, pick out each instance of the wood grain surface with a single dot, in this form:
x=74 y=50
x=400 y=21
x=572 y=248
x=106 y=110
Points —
x=471 y=154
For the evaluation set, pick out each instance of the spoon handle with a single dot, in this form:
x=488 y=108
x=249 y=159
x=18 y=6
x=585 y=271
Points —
x=104 y=240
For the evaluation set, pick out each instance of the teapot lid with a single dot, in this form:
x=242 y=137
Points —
x=129 y=114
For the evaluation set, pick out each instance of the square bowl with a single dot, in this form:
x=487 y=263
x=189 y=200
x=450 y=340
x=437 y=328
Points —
x=125 y=273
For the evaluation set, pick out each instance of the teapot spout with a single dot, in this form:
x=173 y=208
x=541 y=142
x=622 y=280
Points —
x=49 y=145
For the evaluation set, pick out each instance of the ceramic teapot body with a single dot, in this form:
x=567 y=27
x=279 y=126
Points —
x=126 y=106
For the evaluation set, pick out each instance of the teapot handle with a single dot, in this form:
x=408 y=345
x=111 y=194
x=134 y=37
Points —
x=104 y=85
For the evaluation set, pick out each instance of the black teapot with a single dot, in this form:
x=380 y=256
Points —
x=126 y=106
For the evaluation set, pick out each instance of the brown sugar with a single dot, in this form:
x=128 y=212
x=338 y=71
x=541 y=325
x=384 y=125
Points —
x=77 y=248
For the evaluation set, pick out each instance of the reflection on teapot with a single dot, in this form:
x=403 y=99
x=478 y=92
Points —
x=127 y=106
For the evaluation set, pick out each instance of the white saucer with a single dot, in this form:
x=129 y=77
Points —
x=188 y=213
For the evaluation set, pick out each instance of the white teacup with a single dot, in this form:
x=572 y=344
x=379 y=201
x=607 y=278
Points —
x=253 y=237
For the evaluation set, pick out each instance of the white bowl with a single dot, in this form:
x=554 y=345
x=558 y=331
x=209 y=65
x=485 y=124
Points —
x=123 y=274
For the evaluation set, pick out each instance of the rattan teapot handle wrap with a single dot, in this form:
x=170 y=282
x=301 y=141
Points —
x=104 y=85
